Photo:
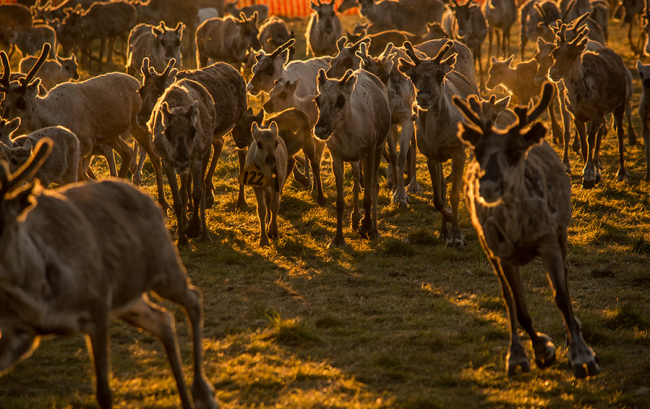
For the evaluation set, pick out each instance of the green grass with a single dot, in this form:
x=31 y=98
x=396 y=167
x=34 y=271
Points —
x=401 y=322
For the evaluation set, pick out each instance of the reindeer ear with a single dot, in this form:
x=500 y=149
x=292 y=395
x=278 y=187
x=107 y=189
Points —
x=341 y=43
x=294 y=85
x=494 y=60
x=540 y=43
x=314 y=6
x=274 y=128
x=534 y=136
x=449 y=62
x=639 y=67
x=405 y=67
x=13 y=125
x=509 y=60
x=255 y=130
x=193 y=112
x=502 y=104
x=349 y=81
x=322 y=77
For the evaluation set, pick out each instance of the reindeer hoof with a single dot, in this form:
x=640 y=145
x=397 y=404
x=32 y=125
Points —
x=322 y=201
x=631 y=138
x=520 y=362
x=400 y=199
x=622 y=175
x=414 y=189
x=583 y=360
x=356 y=218
x=544 y=351
x=588 y=184
x=337 y=242
x=193 y=231
x=209 y=201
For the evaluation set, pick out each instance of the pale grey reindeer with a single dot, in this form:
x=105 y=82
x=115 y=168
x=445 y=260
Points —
x=354 y=120
x=271 y=67
x=436 y=81
x=160 y=44
x=61 y=166
x=261 y=9
x=597 y=83
x=500 y=16
x=183 y=123
x=53 y=72
x=283 y=99
x=228 y=90
x=268 y=154
x=55 y=278
x=226 y=39
x=98 y=111
x=644 y=111
x=467 y=24
x=519 y=197
x=323 y=29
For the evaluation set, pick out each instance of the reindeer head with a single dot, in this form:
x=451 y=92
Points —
x=282 y=96
x=347 y=4
x=435 y=31
x=170 y=40
x=7 y=128
x=463 y=15
x=428 y=74
x=498 y=163
x=16 y=156
x=18 y=339
x=644 y=73
x=70 y=66
x=333 y=102
x=326 y=15
x=544 y=59
x=567 y=56
x=490 y=109
x=266 y=140
x=346 y=59
x=499 y=71
x=241 y=133
x=549 y=14
x=365 y=7
x=179 y=130
x=153 y=86
x=269 y=68
x=20 y=96
x=381 y=66
x=248 y=29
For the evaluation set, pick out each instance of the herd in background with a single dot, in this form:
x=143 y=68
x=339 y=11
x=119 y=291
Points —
x=410 y=78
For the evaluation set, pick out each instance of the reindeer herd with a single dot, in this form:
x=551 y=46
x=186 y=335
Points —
x=406 y=80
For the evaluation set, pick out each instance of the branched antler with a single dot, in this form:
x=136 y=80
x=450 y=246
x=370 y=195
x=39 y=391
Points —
x=9 y=181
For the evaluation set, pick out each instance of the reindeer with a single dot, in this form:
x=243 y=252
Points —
x=183 y=123
x=597 y=83
x=276 y=65
x=494 y=110
x=30 y=40
x=533 y=17
x=633 y=10
x=261 y=9
x=644 y=111
x=467 y=24
x=599 y=10
x=379 y=41
x=61 y=166
x=548 y=28
x=404 y=15
x=13 y=17
x=435 y=82
x=98 y=111
x=519 y=198
x=354 y=120
x=268 y=154
x=226 y=39
x=273 y=33
x=646 y=28
x=228 y=91
x=58 y=240
x=160 y=44
x=323 y=30
x=53 y=72
x=500 y=16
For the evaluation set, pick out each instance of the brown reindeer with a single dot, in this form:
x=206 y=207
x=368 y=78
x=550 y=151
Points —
x=519 y=197
x=500 y=16
x=226 y=39
x=597 y=83
x=644 y=111
x=72 y=259
x=323 y=29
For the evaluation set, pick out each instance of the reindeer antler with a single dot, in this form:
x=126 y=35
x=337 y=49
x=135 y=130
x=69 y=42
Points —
x=578 y=21
x=24 y=82
x=542 y=13
x=411 y=52
x=283 y=47
x=569 y=9
x=9 y=181
x=5 y=84
x=476 y=118
x=146 y=69
x=443 y=50
x=169 y=67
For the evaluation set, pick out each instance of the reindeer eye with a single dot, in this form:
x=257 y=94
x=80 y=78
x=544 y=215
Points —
x=21 y=103
x=340 y=101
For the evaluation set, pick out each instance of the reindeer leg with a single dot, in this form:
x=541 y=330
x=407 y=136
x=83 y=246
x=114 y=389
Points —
x=582 y=137
x=566 y=121
x=260 y=196
x=557 y=132
x=179 y=207
x=193 y=229
x=622 y=173
x=516 y=356
x=413 y=185
x=393 y=166
x=581 y=357
x=439 y=199
x=400 y=198
x=160 y=323
x=368 y=228
x=205 y=235
x=143 y=138
x=646 y=143
x=631 y=134
x=357 y=175
x=217 y=146
x=241 y=198
x=589 y=171
x=542 y=343
x=490 y=33
x=337 y=168
x=98 y=340
x=456 y=238
x=125 y=152
x=602 y=132
x=275 y=209
x=314 y=155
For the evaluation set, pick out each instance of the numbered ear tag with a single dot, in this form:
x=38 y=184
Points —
x=253 y=176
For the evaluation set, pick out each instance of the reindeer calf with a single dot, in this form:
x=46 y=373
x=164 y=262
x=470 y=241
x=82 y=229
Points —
x=53 y=72
x=55 y=278
x=160 y=44
x=61 y=166
x=31 y=40
x=268 y=156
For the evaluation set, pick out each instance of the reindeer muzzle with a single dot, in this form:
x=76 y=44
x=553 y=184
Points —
x=322 y=132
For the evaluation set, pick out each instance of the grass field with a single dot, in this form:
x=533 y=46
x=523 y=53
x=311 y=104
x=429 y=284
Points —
x=402 y=322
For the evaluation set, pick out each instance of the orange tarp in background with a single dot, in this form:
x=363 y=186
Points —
x=289 y=8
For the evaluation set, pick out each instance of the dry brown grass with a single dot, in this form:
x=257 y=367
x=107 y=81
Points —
x=385 y=324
